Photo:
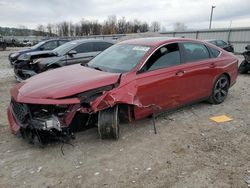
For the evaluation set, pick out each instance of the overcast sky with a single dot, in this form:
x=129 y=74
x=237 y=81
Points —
x=194 y=13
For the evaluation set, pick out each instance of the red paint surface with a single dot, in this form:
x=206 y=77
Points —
x=148 y=92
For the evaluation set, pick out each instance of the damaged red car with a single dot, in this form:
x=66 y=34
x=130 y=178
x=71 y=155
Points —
x=131 y=80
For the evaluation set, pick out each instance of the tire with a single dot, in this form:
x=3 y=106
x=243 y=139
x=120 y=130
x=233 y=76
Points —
x=108 y=123
x=243 y=68
x=220 y=90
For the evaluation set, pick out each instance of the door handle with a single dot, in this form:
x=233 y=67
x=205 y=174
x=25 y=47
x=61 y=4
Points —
x=180 y=73
x=212 y=65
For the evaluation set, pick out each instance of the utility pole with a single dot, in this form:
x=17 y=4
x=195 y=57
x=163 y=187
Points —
x=211 y=16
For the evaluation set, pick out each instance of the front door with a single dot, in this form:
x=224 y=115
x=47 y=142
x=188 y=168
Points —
x=160 y=81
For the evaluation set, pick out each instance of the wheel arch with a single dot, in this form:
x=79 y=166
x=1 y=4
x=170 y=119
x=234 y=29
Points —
x=228 y=77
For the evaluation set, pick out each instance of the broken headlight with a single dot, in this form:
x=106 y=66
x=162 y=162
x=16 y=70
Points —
x=89 y=96
x=47 y=123
x=35 y=61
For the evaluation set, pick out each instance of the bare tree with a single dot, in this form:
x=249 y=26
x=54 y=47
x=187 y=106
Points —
x=64 y=26
x=85 y=27
x=96 y=28
x=71 y=29
x=40 y=29
x=144 y=27
x=49 y=29
x=77 y=30
x=136 y=26
x=179 y=26
x=88 y=27
x=121 y=26
x=109 y=26
x=155 y=26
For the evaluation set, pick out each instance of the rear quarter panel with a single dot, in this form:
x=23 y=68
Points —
x=227 y=63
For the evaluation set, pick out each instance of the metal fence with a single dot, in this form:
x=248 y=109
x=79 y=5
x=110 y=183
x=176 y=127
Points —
x=239 y=37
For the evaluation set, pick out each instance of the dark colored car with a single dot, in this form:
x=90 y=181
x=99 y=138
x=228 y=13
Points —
x=3 y=44
x=130 y=80
x=41 y=46
x=245 y=64
x=222 y=44
x=77 y=51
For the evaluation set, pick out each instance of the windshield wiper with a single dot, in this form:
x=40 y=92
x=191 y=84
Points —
x=97 y=68
x=84 y=64
x=93 y=67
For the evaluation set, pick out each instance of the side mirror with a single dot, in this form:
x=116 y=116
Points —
x=72 y=52
x=41 y=48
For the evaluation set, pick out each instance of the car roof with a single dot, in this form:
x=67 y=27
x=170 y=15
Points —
x=55 y=40
x=78 y=41
x=156 y=41
x=210 y=40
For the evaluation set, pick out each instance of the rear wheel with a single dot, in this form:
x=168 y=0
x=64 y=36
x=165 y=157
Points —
x=108 y=123
x=220 y=90
x=243 y=67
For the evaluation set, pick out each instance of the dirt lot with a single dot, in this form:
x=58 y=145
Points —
x=189 y=150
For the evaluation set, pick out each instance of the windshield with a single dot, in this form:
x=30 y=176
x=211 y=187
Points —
x=119 y=58
x=63 y=49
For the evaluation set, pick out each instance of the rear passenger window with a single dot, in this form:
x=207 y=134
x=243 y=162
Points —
x=221 y=43
x=214 y=52
x=62 y=42
x=101 y=46
x=165 y=56
x=84 y=48
x=195 y=52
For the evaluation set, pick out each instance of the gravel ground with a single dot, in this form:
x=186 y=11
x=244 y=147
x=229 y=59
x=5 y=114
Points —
x=189 y=150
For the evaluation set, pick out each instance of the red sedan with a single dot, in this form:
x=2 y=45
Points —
x=130 y=80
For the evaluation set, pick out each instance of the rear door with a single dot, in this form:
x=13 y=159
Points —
x=199 y=69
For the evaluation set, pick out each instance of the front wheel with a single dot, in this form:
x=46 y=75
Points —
x=220 y=90
x=108 y=123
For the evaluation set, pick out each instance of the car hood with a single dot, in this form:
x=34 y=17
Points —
x=49 y=60
x=36 y=55
x=26 y=50
x=40 y=52
x=64 y=82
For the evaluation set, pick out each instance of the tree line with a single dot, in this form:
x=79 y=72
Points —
x=111 y=25
x=21 y=31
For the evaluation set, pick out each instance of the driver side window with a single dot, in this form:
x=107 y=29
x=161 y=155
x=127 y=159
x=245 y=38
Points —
x=166 y=56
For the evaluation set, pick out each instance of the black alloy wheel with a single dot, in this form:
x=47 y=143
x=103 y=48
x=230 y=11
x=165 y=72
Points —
x=220 y=90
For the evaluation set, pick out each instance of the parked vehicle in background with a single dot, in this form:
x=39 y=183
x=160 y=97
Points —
x=26 y=43
x=245 y=64
x=3 y=44
x=41 y=46
x=77 y=51
x=222 y=44
x=130 y=80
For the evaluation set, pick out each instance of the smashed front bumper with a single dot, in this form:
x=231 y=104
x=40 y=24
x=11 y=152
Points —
x=31 y=124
